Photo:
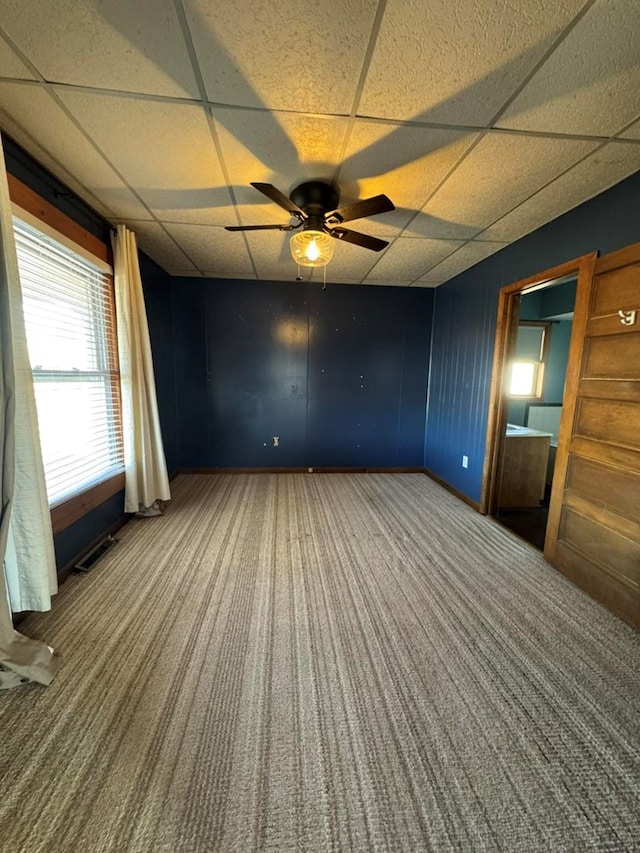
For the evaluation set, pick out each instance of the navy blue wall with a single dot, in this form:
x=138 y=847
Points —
x=465 y=318
x=156 y=284
x=339 y=375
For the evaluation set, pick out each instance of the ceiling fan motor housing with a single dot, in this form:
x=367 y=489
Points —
x=316 y=198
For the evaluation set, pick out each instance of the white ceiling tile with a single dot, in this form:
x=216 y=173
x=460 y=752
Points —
x=42 y=119
x=271 y=255
x=430 y=284
x=602 y=169
x=406 y=163
x=129 y=46
x=408 y=257
x=152 y=238
x=464 y=258
x=499 y=173
x=164 y=151
x=591 y=83
x=458 y=63
x=213 y=249
x=305 y=57
x=11 y=65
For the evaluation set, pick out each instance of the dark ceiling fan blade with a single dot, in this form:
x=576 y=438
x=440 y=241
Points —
x=358 y=239
x=261 y=227
x=280 y=198
x=361 y=209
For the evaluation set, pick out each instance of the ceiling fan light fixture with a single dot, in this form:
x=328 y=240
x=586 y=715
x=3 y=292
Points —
x=311 y=248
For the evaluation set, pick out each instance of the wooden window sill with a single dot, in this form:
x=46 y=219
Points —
x=65 y=514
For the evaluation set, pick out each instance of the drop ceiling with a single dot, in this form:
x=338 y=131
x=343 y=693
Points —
x=481 y=119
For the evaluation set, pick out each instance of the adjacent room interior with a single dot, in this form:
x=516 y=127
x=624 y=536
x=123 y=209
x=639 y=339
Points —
x=320 y=394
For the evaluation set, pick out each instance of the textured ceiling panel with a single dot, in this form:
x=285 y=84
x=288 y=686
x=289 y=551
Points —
x=458 y=62
x=177 y=174
x=408 y=258
x=350 y=263
x=41 y=118
x=464 y=258
x=213 y=249
x=397 y=98
x=154 y=240
x=632 y=132
x=11 y=65
x=103 y=45
x=278 y=148
x=602 y=169
x=591 y=84
x=500 y=172
x=406 y=163
x=271 y=255
x=305 y=57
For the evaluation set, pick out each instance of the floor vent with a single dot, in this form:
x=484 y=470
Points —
x=91 y=558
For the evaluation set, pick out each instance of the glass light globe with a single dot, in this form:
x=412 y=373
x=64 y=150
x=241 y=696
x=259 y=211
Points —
x=311 y=248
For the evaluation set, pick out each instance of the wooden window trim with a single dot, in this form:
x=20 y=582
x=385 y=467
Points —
x=24 y=197
x=66 y=513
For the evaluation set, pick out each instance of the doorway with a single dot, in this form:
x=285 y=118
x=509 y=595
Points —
x=593 y=528
x=535 y=390
x=533 y=345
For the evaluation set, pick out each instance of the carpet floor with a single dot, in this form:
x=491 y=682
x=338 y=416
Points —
x=324 y=663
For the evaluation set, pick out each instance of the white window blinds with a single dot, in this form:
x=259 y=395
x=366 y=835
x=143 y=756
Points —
x=70 y=326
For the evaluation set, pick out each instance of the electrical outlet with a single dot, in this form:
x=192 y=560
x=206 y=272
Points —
x=276 y=441
x=465 y=461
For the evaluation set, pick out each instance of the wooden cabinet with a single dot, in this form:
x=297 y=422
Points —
x=524 y=468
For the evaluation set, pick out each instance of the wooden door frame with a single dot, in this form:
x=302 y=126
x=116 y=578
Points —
x=507 y=320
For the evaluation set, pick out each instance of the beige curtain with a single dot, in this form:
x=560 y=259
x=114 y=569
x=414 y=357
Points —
x=146 y=480
x=27 y=566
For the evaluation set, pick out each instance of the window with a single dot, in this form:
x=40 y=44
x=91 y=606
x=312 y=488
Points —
x=70 y=327
x=527 y=369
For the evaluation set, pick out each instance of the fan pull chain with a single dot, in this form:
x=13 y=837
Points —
x=324 y=282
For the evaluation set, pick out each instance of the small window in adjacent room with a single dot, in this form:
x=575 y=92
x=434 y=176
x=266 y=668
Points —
x=527 y=369
x=70 y=326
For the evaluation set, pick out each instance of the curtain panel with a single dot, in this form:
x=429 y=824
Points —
x=28 y=574
x=146 y=478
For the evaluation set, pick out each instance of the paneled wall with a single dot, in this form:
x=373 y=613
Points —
x=338 y=375
x=465 y=317
x=156 y=284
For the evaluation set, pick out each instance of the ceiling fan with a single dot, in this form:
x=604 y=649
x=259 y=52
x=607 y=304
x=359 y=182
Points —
x=314 y=205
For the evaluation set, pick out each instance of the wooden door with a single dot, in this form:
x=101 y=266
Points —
x=593 y=532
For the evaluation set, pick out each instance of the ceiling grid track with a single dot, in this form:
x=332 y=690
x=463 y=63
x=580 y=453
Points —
x=50 y=89
x=195 y=65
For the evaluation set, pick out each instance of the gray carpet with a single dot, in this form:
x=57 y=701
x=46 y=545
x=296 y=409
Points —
x=324 y=662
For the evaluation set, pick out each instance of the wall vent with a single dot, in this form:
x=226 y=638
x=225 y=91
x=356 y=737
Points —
x=89 y=560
